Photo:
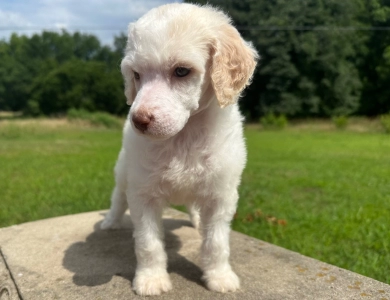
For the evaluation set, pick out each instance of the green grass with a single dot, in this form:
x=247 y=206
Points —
x=48 y=172
x=324 y=193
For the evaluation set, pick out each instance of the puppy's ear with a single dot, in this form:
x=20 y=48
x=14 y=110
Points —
x=128 y=76
x=232 y=65
x=130 y=91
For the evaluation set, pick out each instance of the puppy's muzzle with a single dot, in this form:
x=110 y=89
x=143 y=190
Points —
x=141 y=121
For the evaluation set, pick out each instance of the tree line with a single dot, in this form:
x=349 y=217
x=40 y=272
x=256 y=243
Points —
x=50 y=73
x=319 y=58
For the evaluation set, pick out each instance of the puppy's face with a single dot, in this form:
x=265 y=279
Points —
x=168 y=85
x=172 y=57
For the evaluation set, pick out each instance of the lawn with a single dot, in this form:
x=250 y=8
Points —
x=54 y=169
x=325 y=194
x=321 y=192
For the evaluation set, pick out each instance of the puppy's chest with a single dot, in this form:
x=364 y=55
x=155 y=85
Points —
x=182 y=169
x=188 y=169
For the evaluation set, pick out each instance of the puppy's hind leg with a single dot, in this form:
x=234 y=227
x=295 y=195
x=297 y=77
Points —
x=118 y=207
x=194 y=212
x=118 y=198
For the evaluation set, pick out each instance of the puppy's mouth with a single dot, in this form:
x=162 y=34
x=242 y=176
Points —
x=153 y=129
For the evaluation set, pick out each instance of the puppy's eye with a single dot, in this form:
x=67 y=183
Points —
x=136 y=75
x=181 y=72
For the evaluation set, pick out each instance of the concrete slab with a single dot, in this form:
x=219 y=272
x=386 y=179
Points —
x=71 y=258
x=8 y=289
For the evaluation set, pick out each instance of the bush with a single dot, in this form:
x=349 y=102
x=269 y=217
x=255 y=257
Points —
x=32 y=109
x=270 y=121
x=95 y=118
x=341 y=122
x=385 y=122
x=88 y=85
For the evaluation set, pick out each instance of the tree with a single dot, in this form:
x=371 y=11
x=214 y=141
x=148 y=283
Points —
x=52 y=72
x=318 y=58
x=307 y=65
x=78 y=84
x=375 y=69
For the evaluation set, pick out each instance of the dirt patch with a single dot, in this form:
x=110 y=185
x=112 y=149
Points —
x=48 y=123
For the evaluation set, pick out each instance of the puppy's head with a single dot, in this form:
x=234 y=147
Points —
x=174 y=53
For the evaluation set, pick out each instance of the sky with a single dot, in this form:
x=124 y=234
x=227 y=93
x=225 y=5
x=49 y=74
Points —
x=103 y=18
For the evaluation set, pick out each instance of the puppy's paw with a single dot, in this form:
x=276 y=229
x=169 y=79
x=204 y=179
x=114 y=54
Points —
x=151 y=282
x=109 y=223
x=221 y=282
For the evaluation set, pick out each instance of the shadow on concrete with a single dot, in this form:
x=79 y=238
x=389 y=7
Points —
x=110 y=253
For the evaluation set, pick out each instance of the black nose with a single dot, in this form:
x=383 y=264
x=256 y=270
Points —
x=141 y=121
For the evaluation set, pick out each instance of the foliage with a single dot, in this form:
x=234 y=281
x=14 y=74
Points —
x=79 y=84
x=32 y=109
x=375 y=65
x=314 y=59
x=50 y=72
x=318 y=59
x=385 y=122
x=95 y=118
x=271 y=121
x=341 y=122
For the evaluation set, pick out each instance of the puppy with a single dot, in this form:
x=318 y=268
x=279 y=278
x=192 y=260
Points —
x=184 y=69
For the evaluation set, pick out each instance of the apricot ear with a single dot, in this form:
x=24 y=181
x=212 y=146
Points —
x=232 y=66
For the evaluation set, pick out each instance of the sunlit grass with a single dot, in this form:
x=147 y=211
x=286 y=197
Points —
x=49 y=171
x=313 y=189
x=323 y=194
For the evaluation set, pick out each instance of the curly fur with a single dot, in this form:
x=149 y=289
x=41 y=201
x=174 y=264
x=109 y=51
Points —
x=191 y=148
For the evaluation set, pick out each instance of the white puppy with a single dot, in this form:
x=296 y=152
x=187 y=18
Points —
x=184 y=69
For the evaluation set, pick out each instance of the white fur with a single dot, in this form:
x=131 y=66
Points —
x=193 y=150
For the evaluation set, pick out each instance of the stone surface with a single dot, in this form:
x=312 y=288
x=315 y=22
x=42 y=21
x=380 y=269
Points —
x=71 y=258
x=7 y=287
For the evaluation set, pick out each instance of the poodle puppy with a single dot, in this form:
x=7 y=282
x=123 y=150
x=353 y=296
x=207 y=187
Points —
x=184 y=69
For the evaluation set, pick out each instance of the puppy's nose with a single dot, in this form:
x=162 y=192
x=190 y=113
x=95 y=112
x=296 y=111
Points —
x=141 y=121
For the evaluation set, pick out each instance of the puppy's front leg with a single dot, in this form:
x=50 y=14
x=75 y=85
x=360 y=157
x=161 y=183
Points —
x=216 y=217
x=151 y=277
